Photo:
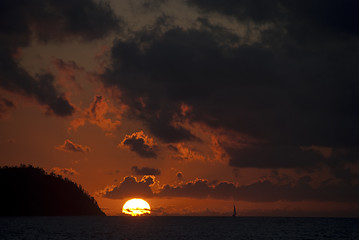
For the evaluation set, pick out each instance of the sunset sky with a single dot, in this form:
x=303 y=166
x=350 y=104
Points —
x=191 y=105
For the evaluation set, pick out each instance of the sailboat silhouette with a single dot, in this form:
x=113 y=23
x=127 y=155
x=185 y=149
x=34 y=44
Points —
x=234 y=211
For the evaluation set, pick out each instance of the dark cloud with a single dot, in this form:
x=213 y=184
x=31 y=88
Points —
x=48 y=21
x=163 y=77
x=130 y=187
x=70 y=146
x=179 y=175
x=196 y=189
x=264 y=92
x=318 y=18
x=259 y=11
x=145 y=171
x=321 y=18
x=293 y=86
x=41 y=87
x=339 y=164
x=260 y=191
x=84 y=19
x=266 y=191
x=269 y=156
x=141 y=144
x=153 y=4
x=5 y=106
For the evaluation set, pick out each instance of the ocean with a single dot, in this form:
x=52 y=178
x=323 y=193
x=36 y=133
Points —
x=151 y=227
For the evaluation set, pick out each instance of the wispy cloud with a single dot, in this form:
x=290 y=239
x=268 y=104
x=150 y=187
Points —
x=69 y=146
x=100 y=113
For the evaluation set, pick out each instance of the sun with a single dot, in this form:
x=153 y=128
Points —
x=136 y=207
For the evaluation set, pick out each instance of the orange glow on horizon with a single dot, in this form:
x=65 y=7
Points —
x=136 y=207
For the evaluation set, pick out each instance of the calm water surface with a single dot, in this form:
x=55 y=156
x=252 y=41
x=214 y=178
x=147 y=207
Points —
x=177 y=228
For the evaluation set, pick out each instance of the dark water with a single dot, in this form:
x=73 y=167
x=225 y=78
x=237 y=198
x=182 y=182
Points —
x=177 y=228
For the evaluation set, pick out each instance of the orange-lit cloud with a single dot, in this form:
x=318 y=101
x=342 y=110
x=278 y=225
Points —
x=64 y=171
x=141 y=144
x=218 y=151
x=185 y=109
x=70 y=146
x=101 y=113
x=183 y=153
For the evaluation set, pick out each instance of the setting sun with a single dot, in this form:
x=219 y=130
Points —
x=136 y=207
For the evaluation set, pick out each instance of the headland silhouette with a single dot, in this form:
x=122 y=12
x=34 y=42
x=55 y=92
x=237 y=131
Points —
x=30 y=191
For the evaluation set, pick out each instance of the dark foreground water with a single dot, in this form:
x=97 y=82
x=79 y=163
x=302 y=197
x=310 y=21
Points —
x=177 y=228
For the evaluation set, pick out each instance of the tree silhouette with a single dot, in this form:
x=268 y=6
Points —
x=30 y=191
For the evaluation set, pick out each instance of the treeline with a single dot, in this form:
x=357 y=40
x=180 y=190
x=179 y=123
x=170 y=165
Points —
x=30 y=191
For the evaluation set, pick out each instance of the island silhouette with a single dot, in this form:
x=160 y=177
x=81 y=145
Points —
x=30 y=191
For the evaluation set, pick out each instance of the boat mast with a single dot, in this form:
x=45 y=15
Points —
x=234 y=211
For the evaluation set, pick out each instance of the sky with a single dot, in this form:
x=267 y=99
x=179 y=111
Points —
x=191 y=105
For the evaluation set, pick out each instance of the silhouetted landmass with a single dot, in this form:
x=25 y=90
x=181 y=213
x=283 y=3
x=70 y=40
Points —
x=30 y=191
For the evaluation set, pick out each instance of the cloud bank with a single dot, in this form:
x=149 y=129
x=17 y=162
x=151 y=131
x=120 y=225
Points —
x=287 y=81
x=260 y=191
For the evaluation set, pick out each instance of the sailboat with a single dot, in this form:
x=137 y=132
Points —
x=234 y=211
